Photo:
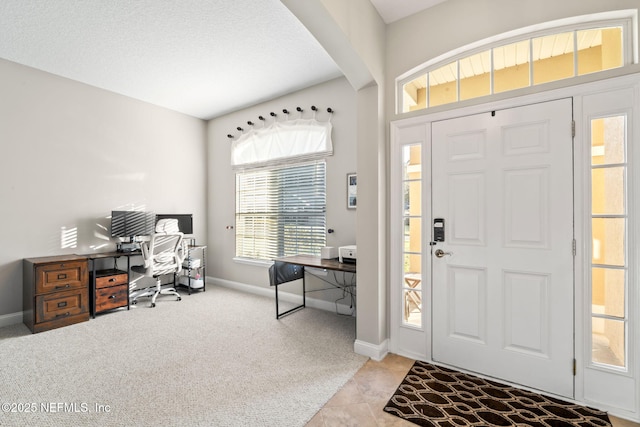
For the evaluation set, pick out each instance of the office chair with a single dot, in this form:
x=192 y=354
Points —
x=163 y=254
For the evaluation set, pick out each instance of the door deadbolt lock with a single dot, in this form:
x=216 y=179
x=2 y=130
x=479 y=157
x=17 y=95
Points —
x=440 y=253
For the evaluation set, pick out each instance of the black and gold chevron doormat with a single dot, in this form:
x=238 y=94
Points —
x=438 y=397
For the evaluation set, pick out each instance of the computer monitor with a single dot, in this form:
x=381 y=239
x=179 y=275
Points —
x=129 y=224
x=185 y=221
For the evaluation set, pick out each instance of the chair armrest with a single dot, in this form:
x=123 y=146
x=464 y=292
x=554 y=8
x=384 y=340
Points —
x=145 y=254
x=182 y=252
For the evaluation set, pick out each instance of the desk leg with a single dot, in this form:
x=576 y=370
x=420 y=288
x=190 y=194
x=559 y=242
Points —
x=277 y=309
x=92 y=302
x=204 y=270
x=303 y=305
x=128 y=281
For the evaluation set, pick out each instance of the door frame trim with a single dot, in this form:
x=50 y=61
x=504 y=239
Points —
x=419 y=350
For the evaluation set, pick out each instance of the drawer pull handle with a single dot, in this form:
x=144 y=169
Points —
x=113 y=279
x=62 y=276
x=112 y=296
x=63 y=314
x=62 y=304
x=63 y=286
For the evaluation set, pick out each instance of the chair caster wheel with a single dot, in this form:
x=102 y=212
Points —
x=153 y=304
x=134 y=302
x=179 y=299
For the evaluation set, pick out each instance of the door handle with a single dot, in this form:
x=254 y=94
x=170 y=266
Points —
x=440 y=253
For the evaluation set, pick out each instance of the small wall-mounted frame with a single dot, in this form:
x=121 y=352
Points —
x=352 y=190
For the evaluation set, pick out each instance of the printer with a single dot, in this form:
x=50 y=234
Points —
x=347 y=254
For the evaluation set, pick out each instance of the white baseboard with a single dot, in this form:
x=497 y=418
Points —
x=284 y=296
x=376 y=352
x=10 y=319
x=258 y=290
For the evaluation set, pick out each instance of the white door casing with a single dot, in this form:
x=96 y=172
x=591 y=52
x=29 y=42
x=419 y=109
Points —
x=614 y=388
x=503 y=291
x=409 y=340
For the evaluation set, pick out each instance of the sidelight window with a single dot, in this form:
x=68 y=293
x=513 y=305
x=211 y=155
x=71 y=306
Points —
x=609 y=268
x=412 y=291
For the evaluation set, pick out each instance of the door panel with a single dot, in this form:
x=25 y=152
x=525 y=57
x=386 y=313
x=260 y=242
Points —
x=526 y=208
x=503 y=289
x=526 y=307
x=468 y=205
x=467 y=293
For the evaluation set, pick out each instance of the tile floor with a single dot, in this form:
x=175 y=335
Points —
x=360 y=402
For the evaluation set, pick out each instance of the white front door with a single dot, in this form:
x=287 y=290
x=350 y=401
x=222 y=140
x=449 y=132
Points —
x=503 y=283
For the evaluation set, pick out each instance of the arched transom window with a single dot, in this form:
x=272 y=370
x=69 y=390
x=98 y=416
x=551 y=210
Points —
x=506 y=63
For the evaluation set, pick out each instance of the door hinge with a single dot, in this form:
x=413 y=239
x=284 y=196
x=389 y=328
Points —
x=575 y=368
x=573 y=128
x=573 y=247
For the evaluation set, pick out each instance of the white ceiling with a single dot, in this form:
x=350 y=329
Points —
x=203 y=58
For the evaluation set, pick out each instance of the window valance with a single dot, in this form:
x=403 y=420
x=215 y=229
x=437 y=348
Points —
x=282 y=142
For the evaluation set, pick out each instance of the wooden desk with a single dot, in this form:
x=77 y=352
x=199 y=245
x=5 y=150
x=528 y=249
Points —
x=317 y=262
x=303 y=261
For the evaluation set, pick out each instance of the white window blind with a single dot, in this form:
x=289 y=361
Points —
x=281 y=211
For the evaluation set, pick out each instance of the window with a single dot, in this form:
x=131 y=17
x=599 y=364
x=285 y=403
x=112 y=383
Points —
x=281 y=211
x=412 y=231
x=609 y=233
x=559 y=54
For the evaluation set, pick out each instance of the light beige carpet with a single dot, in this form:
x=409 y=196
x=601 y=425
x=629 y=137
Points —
x=218 y=358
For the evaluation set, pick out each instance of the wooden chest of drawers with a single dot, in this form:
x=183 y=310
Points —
x=55 y=292
x=112 y=290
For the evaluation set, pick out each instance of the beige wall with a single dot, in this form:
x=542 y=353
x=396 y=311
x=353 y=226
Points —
x=353 y=34
x=91 y=123
x=456 y=23
x=364 y=29
x=336 y=94
x=71 y=153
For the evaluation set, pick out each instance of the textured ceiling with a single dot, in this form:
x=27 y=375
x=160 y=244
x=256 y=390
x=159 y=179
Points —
x=203 y=58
